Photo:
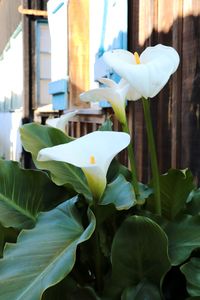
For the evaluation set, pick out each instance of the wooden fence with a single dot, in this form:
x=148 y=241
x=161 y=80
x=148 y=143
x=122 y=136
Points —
x=176 y=109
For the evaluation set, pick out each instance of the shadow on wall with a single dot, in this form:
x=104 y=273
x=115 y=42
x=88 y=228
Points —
x=176 y=110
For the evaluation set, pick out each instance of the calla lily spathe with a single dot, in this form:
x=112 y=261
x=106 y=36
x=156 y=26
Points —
x=114 y=93
x=92 y=153
x=62 y=121
x=148 y=73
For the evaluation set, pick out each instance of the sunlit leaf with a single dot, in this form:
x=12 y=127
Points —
x=43 y=256
x=36 y=137
x=24 y=193
x=120 y=193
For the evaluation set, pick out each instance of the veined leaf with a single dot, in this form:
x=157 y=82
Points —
x=139 y=251
x=23 y=193
x=120 y=193
x=43 y=256
x=144 y=290
x=175 y=186
x=61 y=173
x=191 y=270
x=184 y=237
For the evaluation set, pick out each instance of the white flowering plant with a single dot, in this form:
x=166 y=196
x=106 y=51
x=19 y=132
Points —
x=80 y=225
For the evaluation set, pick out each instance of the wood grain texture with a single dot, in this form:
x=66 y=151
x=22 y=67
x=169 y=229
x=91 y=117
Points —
x=176 y=110
x=78 y=21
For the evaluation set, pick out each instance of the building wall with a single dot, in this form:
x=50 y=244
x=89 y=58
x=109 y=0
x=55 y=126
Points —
x=9 y=20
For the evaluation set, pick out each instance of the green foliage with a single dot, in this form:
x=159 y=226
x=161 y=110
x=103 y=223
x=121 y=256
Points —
x=193 y=202
x=135 y=254
x=61 y=173
x=184 y=237
x=24 y=193
x=120 y=193
x=191 y=270
x=175 y=187
x=144 y=290
x=55 y=247
x=45 y=254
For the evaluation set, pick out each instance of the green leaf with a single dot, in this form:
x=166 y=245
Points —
x=193 y=205
x=144 y=290
x=191 y=270
x=106 y=126
x=43 y=256
x=36 y=137
x=175 y=187
x=184 y=236
x=120 y=193
x=139 y=252
x=1 y=240
x=145 y=191
x=115 y=169
x=69 y=289
x=23 y=193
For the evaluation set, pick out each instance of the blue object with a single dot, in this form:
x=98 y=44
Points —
x=58 y=7
x=58 y=90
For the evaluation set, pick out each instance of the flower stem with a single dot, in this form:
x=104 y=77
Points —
x=153 y=156
x=97 y=251
x=132 y=163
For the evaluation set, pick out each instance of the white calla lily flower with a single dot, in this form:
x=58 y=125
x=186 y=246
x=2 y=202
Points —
x=92 y=153
x=116 y=94
x=147 y=73
x=62 y=121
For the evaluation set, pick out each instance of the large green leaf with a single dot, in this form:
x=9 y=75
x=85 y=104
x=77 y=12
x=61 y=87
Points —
x=144 y=290
x=175 y=187
x=44 y=255
x=23 y=193
x=191 y=270
x=120 y=193
x=184 y=236
x=139 y=251
x=36 y=137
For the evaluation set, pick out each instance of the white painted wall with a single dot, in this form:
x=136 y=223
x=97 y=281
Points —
x=10 y=145
x=11 y=89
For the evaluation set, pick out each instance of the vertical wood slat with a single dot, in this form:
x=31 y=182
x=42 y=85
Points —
x=190 y=133
x=78 y=34
x=176 y=102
